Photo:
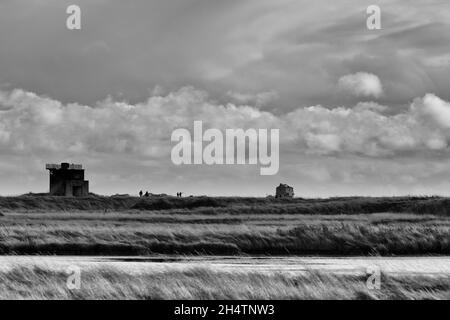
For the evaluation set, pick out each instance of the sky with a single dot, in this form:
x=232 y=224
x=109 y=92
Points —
x=360 y=112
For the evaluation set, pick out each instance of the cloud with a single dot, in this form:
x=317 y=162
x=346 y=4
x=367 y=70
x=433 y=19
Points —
x=440 y=61
x=263 y=45
x=436 y=110
x=259 y=99
x=365 y=130
x=35 y=124
x=361 y=84
x=125 y=143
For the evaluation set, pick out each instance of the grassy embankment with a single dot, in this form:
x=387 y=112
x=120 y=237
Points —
x=201 y=283
x=134 y=226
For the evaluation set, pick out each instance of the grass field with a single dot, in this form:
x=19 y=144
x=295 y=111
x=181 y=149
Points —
x=202 y=283
x=230 y=205
x=134 y=226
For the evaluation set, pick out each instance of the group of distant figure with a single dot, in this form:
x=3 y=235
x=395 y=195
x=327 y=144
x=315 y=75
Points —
x=142 y=194
x=146 y=194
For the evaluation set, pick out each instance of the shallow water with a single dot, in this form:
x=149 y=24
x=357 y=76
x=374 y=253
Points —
x=285 y=264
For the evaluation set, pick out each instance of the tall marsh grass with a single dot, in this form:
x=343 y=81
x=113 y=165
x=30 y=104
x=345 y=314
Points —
x=148 y=233
x=230 y=205
x=206 y=284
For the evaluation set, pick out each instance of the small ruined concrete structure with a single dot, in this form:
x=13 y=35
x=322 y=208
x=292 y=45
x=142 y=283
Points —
x=284 y=191
x=67 y=180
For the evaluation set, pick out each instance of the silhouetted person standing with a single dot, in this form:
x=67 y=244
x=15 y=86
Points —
x=140 y=193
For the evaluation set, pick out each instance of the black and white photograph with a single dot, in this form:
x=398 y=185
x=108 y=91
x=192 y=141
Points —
x=236 y=152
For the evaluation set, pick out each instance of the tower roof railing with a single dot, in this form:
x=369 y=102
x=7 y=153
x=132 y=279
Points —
x=55 y=166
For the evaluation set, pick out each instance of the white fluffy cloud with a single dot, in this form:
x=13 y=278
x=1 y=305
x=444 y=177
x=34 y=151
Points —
x=361 y=84
x=434 y=109
x=30 y=123
x=131 y=137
